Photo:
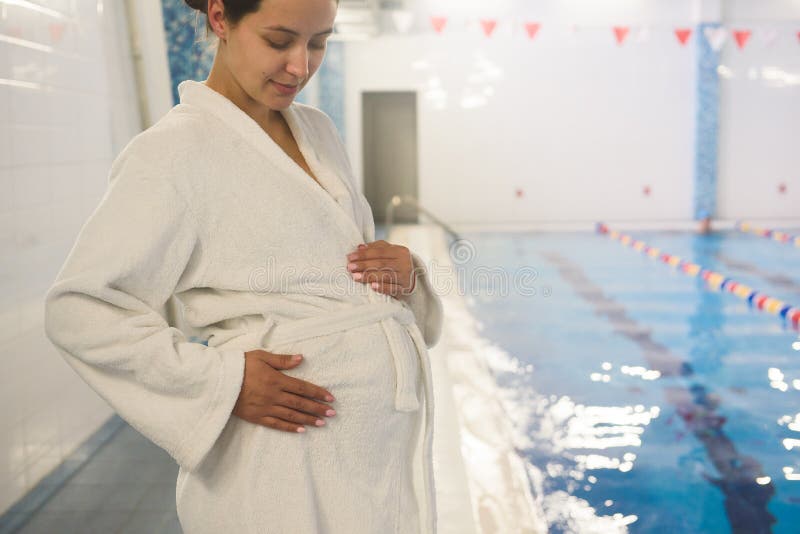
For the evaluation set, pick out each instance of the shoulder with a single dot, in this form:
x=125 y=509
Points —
x=180 y=129
x=175 y=139
x=166 y=148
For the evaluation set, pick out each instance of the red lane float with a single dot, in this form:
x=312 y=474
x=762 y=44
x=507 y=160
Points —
x=715 y=280
x=775 y=235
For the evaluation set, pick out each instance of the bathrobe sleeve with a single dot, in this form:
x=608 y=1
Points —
x=425 y=303
x=105 y=315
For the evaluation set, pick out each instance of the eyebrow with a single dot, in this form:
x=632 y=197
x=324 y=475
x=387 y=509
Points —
x=293 y=32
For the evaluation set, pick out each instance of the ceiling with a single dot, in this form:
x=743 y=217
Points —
x=361 y=19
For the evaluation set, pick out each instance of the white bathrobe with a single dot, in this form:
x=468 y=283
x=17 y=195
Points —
x=204 y=208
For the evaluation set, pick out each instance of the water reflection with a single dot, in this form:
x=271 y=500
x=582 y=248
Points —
x=613 y=427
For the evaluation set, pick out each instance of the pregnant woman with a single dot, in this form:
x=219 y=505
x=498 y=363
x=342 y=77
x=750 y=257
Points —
x=240 y=204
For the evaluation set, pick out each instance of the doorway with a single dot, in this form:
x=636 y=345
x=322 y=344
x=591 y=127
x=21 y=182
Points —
x=389 y=132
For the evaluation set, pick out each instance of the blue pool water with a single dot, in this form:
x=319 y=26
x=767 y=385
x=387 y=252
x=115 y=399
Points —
x=648 y=402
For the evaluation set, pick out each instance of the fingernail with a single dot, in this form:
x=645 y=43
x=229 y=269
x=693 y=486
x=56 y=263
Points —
x=330 y=398
x=357 y=276
x=297 y=358
x=301 y=429
x=330 y=413
x=362 y=246
x=319 y=422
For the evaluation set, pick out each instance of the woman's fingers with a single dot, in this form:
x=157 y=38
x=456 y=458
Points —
x=377 y=250
x=304 y=406
x=280 y=424
x=383 y=263
x=294 y=416
x=377 y=275
x=394 y=290
x=270 y=398
x=378 y=271
x=306 y=389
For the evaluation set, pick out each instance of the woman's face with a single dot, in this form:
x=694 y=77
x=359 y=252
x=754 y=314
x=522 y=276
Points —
x=273 y=52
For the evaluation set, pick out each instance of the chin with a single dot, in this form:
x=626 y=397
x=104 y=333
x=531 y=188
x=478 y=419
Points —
x=279 y=104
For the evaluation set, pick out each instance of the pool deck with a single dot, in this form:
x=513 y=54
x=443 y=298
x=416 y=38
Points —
x=476 y=465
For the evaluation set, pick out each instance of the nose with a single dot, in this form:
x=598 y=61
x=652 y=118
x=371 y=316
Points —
x=298 y=63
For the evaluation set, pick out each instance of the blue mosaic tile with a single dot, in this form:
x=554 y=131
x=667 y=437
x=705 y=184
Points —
x=706 y=126
x=331 y=85
x=190 y=57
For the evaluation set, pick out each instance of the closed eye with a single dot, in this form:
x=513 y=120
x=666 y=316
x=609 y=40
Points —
x=278 y=46
x=284 y=46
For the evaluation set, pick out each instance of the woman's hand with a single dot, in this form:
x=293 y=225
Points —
x=388 y=268
x=273 y=399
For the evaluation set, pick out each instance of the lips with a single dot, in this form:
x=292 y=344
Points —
x=285 y=89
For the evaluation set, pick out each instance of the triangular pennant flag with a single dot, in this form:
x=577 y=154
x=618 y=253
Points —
x=683 y=35
x=574 y=30
x=403 y=20
x=488 y=26
x=798 y=36
x=621 y=32
x=716 y=37
x=742 y=36
x=56 y=32
x=439 y=23
x=532 y=28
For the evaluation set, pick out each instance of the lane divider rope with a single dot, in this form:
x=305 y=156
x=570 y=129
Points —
x=715 y=280
x=775 y=235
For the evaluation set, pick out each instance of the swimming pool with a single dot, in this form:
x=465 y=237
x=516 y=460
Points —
x=643 y=401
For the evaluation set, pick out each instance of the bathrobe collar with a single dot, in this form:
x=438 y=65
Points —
x=335 y=193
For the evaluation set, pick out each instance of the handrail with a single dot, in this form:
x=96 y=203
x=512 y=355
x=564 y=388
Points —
x=397 y=200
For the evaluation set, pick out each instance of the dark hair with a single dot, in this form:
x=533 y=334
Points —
x=235 y=10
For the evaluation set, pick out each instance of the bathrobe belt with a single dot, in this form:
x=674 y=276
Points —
x=394 y=317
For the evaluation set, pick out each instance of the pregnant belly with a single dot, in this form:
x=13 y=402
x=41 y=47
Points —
x=349 y=460
x=357 y=365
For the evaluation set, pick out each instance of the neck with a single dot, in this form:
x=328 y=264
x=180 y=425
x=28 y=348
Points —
x=222 y=81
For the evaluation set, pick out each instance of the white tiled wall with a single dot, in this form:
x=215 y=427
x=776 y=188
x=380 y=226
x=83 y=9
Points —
x=67 y=106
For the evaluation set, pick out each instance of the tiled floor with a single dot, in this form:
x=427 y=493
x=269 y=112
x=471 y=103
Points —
x=127 y=487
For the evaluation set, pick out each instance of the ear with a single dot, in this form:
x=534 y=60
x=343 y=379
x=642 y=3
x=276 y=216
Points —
x=216 y=18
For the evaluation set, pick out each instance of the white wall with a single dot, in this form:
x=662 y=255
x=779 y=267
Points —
x=578 y=123
x=67 y=106
x=760 y=110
